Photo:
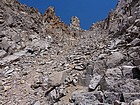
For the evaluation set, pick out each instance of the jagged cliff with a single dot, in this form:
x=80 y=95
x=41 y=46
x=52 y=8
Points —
x=43 y=61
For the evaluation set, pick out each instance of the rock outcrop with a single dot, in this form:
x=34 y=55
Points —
x=45 y=62
x=53 y=24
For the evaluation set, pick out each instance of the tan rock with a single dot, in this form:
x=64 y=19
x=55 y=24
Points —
x=57 y=77
x=6 y=88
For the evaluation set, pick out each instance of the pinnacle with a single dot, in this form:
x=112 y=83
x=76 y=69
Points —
x=43 y=61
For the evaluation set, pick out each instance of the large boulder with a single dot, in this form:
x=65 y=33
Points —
x=12 y=58
x=115 y=59
x=83 y=98
x=113 y=76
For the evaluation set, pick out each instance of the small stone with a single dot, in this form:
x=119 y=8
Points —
x=117 y=102
x=127 y=71
x=79 y=67
x=62 y=91
x=9 y=71
x=71 y=66
x=135 y=30
x=22 y=81
x=37 y=103
x=123 y=103
x=83 y=98
x=53 y=94
x=102 y=56
x=75 y=81
x=7 y=88
x=68 y=79
x=1 y=21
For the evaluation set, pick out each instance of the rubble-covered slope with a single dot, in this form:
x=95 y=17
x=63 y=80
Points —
x=45 y=62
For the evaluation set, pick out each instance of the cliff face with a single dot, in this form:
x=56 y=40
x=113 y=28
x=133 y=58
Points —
x=43 y=61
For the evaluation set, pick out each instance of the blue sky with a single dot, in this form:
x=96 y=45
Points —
x=88 y=11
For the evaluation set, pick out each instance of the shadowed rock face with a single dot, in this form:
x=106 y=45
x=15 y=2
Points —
x=136 y=73
x=45 y=62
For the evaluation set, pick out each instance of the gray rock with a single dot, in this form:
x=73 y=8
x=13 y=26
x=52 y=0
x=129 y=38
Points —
x=135 y=42
x=114 y=43
x=62 y=91
x=2 y=53
x=95 y=81
x=134 y=55
x=56 y=93
x=127 y=71
x=115 y=58
x=37 y=103
x=131 y=86
x=8 y=72
x=135 y=30
x=136 y=62
x=53 y=95
x=113 y=76
x=100 y=67
x=57 y=77
x=12 y=58
x=131 y=19
x=111 y=97
x=136 y=102
x=4 y=45
x=137 y=22
x=41 y=44
x=116 y=102
x=84 y=98
x=16 y=38
x=79 y=67
x=1 y=21
x=51 y=44
x=123 y=103
x=75 y=23
x=102 y=56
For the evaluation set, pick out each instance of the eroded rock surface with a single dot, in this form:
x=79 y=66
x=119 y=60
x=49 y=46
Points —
x=45 y=62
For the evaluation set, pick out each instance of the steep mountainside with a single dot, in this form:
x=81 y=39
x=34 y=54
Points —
x=45 y=62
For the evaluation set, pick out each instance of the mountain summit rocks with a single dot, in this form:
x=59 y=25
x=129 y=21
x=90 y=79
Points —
x=43 y=61
x=52 y=23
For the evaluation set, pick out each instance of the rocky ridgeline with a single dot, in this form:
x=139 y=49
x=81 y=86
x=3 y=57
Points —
x=45 y=62
x=53 y=24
